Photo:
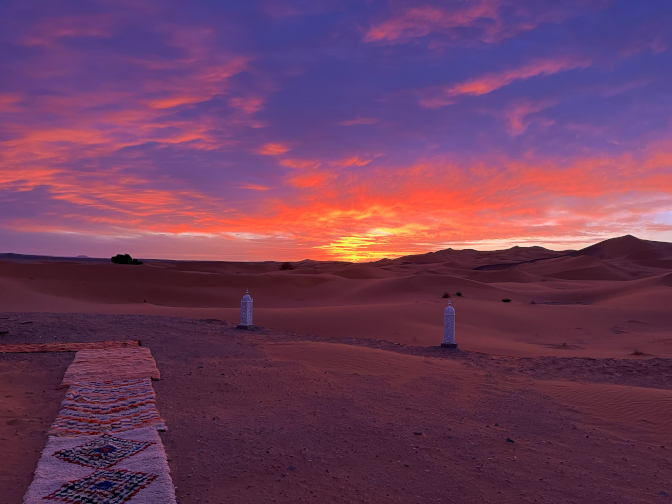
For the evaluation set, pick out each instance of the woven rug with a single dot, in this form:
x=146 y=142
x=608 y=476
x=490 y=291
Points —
x=114 y=364
x=66 y=347
x=129 y=467
x=104 y=446
x=112 y=406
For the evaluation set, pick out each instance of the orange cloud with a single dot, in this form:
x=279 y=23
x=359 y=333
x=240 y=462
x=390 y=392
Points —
x=272 y=149
x=255 y=187
x=531 y=201
x=176 y=101
x=384 y=211
x=352 y=161
x=301 y=163
x=83 y=154
x=309 y=180
x=492 y=82
x=441 y=97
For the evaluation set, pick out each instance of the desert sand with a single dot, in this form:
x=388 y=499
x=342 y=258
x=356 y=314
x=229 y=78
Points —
x=342 y=394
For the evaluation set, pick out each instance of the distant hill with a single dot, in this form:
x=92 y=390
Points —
x=44 y=258
x=477 y=259
x=627 y=246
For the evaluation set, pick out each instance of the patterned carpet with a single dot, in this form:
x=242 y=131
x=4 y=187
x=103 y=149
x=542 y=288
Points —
x=115 y=364
x=100 y=407
x=104 y=446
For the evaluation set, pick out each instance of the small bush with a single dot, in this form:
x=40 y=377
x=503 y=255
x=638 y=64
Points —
x=458 y=294
x=125 y=259
x=286 y=266
x=506 y=300
x=637 y=352
x=446 y=295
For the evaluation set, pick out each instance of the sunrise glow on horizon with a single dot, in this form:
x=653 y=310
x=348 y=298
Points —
x=332 y=129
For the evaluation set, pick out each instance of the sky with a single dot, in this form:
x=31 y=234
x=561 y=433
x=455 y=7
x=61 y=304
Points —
x=332 y=129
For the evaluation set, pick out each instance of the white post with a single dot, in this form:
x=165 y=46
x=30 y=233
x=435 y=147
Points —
x=246 y=312
x=449 y=327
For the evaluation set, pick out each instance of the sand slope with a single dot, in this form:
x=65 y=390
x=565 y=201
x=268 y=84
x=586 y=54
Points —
x=607 y=300
x=258 y=416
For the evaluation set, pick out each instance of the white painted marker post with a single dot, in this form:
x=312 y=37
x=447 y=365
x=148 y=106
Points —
x=449 y=327
x=246 y=312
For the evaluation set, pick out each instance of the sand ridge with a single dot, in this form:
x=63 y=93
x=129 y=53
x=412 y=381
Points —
x=604 y=301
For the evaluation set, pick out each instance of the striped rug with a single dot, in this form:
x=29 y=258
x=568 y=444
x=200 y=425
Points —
x=111 y=406
x=104 y=446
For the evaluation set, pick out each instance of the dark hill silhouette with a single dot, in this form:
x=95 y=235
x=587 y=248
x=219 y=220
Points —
x=486 y=259
x=628 y=245
x=631 y=249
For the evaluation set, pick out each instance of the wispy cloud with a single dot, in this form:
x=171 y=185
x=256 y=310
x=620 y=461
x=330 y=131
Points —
x=440 y=97
x=255 y=187
x=358 y=120
x=420 y=21
x=466 y=23
x=272 y=149
x=519 y=114
x=491 y=82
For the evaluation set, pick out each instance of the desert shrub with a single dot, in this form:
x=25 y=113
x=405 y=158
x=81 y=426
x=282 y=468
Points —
x=506 y=300
x=286 y=266
x=125 y=259
x=446 y=295
x=458 y=294
x=637 y=352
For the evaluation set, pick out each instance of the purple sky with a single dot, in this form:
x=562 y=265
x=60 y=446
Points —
x=284 y=130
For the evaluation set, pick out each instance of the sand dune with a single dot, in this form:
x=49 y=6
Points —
x=363 y=272
x=366 y=399
x=361 y=360
x=625 y=246
x=646 y=409
x=562 y=303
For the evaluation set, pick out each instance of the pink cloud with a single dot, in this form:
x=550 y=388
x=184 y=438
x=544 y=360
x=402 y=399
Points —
x=48 y=32
x=301 y=163
x=358 y=120
x=383 y=211
x=255 y=187
x=518 y=115
x=494 y=81
x=441 y=97
x=248 y=104
x=176 y=101
x=272 y=149
x=9 y=102
x=420 y=21
x=434 y=99
x=351 y=161
x=493 y=21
